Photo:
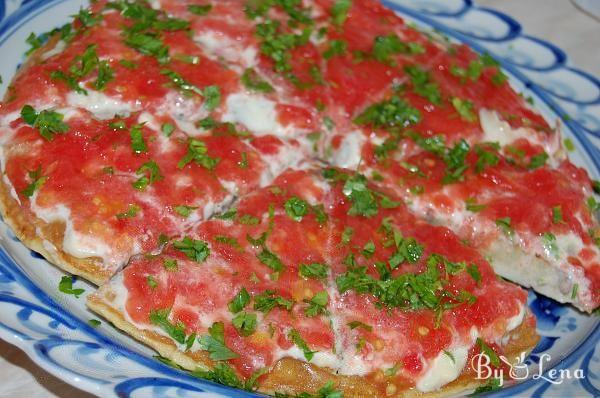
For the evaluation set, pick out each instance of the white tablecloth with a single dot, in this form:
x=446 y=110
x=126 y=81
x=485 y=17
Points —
x=557 y=21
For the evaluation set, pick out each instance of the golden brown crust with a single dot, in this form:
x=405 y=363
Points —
x=292 y=376
x=33 y=232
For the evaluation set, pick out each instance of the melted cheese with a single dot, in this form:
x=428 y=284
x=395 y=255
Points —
x=220 y=46
x=255 y=112
x=349 y=154
x=101 y=106
x=443 y=369
x=497 y=130
x=75 y=243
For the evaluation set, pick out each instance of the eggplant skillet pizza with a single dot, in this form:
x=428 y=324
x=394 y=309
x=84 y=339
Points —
x=296 y=197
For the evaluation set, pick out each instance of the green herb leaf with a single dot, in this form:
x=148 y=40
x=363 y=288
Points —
x=245 y=323
x=161 y=319
x=296 y=208
x=317 y=305
x=212 y=97
x=150 y=174
x=240 y=301
x=196 y=250
x=200 y=9
x=198 y=153
x=339 y=11
x=47 y=122
x=268 y=300
x=270 y=259
x=252 y=81
x=358 y=324
x=131 y=212
x=489 y=352
x=138 y=145
x=313 y=271
x=37 y=180
x=394 y=112
x=184 y=211
x=214 y=343
x=66 y=286
x=296 y=338
x=464 y=109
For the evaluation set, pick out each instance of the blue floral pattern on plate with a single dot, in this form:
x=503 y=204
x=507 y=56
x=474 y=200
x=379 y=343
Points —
x=34 y=316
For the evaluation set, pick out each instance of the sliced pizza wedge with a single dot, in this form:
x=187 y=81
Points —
x=321 y=279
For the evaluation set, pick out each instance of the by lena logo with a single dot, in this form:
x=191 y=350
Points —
x=518 y=370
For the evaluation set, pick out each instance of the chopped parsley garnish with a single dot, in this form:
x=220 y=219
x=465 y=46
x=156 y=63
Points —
x=131 y=212
x=228 y=215
x=150 y=173
x=407 y=249
x=94 y=323
x=569 y=145
x=176 y=331
x=245 y=323
x=492 y=385
x=394 y=112
x=339 y=11
x=270 y=259
x=472 y=205
x=277 y=45
x=317 y=305
x=557 y=215
x=473 y=270
x=407 y=291
x=336 y=47
x=229 y=240
x=48 y=123
x=386 y=46
x=37 y=180
x=465 y=109
x=212 y=97
x=199 y=9
x=252 y=81
x=549 y=244
x=178 y=81
x=148 y=44
x=358 y=324
x=297 y=339
x=362 y=198
x=268 y=300
x=170 y=264
x=347 y=235
x=151 y=282
x=240 y=301
x=423 y=85
x=486 y=157
x=313 y=270
x=184 y=211
x=35 y=41
x=504 y=224
x=138 y=144
x=66 y=286
x=82 y=66
x=296 y=208
x=196 y=250
x=248 y=219
x=489 y=352
x=198 y=153
x=537 y=161
x=214 y=343
x=574 y=291
x=221 y=373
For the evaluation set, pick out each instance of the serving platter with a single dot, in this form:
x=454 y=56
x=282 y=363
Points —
x=54 y=329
